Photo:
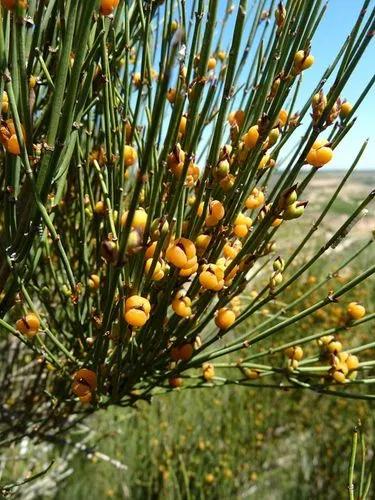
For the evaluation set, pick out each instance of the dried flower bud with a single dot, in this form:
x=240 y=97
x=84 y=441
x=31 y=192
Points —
x=276 y=279
x=109 y=250
x=318 y=103
x=280 y=16
x=334 y=113
x=278 y=264
x=221 y=170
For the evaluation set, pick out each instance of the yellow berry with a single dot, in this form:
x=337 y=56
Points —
x=302 y=61
x=94 y=281
x=334 y=346
x=221 y=55
x=346 y=109
x=352 y=362
x=5 y=103
x=251 y=137
x=100 y=207
x=130 y=156
x=182 y=126
x=355 y=310
x=208 y=371
x=158 y=272
x=339 y=377
x=202 y=242
x=295 y=352
x=139 y=219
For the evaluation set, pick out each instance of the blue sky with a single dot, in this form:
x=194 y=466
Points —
x=336 y=25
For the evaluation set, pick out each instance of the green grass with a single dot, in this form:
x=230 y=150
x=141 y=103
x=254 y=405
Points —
x=224 y=443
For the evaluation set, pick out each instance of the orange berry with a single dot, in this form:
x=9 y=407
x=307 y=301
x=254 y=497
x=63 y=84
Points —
x=255 y=200
x=211 y=63
x=28 y=325
x=181 y=304
x=283 y=117
x=11 y=4
x=216 y=209
x=84 y=381
x=171 y=95
x=181 y=253
x=276 y=222
x=212 y=277
x=136 y=310
x=182 y=352
x=151 y=250
x=319 y=154
x=8 y=137
x=108 y=6
x=86 y=398
x=137 y=302
x=175 y=382
x=211 y=221
x=240 y=230
x=189 y=270
x=243 y=219
x=136 y=317
x=13 y=146
x=225 y=318
x=230 y=250
x=236 y=118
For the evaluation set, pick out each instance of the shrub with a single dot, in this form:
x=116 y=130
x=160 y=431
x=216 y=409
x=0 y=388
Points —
x=143 y=198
